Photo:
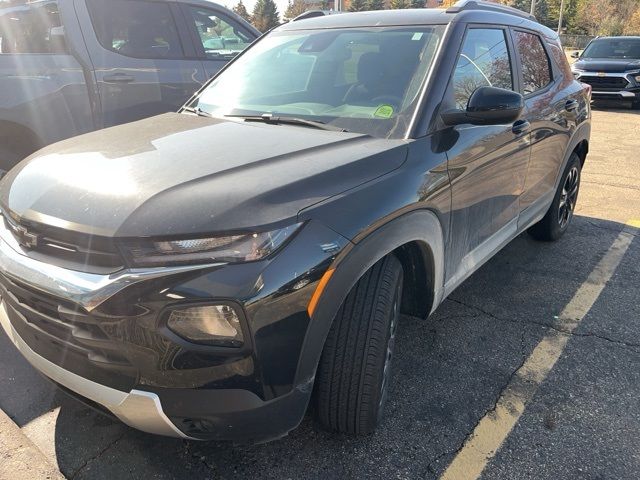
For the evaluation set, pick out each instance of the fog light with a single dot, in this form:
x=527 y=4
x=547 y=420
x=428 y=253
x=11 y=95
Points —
x=211 y=324
x=637 y=78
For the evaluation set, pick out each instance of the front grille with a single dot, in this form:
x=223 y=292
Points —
x=66 y=335
x=73 y=250
x=605 y=83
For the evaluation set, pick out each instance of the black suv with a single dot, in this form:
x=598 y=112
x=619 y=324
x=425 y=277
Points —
x=611 y=65
x=207 y=274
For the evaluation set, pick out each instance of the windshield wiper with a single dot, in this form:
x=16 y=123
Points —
x=280 y=120
x=197 y=111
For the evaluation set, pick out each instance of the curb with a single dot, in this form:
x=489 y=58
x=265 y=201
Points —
x=20 y=459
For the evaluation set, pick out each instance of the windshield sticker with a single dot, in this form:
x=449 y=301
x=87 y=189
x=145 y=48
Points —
x=383 y=111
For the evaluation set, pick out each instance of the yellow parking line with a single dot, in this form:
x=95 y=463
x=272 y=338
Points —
x=634 y=223
x=492 y=430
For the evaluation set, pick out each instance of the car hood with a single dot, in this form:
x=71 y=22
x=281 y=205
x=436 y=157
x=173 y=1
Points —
x=607 y=65
x=179 y=174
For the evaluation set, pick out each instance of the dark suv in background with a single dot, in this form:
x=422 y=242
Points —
x=611 y=65
x=206 y=274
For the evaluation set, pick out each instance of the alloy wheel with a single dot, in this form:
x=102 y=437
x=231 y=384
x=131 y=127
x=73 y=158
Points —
x=568 y=197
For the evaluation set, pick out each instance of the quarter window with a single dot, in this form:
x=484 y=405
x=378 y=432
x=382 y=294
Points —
x=220 y=38
x=483 y=62
x=32 y=28
x=536 y=70
x=136 y=28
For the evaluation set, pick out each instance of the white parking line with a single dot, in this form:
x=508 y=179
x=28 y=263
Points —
x=492 y=430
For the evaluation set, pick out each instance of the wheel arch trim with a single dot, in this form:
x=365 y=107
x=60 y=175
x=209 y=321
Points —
x=582 y=134
x=421 y=226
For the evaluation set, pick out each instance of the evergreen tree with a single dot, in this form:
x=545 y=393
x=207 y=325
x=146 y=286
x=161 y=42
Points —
x=241 y=10
x=374 y=4
x=417 y=3
x=524 y=5
x=357 y=6
x=295 y=8
x=265 y=15
x=397 y=4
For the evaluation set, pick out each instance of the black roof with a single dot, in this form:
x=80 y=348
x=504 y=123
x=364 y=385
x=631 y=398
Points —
x=468 y=11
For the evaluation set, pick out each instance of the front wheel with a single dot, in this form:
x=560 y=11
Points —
x=559 y=216
x=355 y=368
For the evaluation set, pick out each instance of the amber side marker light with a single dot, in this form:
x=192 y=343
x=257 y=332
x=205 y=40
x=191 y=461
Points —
x=315 y=298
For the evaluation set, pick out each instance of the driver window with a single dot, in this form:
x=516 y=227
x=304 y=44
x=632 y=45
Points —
x=483 y=62
x=220 y=37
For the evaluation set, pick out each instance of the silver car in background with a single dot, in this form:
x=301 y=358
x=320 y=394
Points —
x=68 y=67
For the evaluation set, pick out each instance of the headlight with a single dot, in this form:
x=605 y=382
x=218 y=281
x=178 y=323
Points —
x=209 y=324
x=230 y=248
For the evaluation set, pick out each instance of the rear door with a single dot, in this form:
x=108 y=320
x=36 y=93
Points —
x=551 y=110
x=487 y=164
x=145 y=63
x=218 y=36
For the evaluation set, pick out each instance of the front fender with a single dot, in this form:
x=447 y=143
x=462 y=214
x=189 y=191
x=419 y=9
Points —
x=420 y=226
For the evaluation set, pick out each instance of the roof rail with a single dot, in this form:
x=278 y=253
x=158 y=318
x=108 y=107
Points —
x=464 y=5
x=313 y=14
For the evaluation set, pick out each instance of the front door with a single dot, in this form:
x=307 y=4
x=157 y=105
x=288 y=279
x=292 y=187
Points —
x=218 y=36
x=144 y=61
x=487 y=164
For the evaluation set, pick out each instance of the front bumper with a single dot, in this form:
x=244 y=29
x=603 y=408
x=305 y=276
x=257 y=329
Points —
x=611 y=86
x=102 y=338
x=616 y=95
x=137 y=408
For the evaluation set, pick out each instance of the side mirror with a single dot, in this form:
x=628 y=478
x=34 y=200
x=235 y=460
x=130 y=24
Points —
x=575 y=54
x=488 y=106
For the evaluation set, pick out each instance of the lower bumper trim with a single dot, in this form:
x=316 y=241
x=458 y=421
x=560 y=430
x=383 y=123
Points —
x=622 y=93
x=138 y=409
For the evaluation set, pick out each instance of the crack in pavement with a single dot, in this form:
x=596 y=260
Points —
x=620 y=343
x=98 y=455
x=469 y=433
x=630 y=231
x=201 y=458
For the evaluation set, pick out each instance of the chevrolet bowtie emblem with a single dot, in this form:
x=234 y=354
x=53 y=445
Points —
x=25 y=238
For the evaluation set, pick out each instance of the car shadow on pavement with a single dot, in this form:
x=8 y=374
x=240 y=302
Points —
x=449 y=372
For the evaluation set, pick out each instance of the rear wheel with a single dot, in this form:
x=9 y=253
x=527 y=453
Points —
x=557 y=219
x=355 y=368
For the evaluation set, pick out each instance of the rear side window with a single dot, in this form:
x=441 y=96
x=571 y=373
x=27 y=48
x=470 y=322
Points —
x=136 y=29
x=32 y=28
x=483 y=62
x=536 y=69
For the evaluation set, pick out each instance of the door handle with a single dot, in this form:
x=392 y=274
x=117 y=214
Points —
x=521 y=127
x=571 y=105
x=118 y=78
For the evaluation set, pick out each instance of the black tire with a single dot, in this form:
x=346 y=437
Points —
x=560 y=213
x=353 y=375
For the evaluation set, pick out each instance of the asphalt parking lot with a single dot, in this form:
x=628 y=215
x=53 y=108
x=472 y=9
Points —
x=580 y=418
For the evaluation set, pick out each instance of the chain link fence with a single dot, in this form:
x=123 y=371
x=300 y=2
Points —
x=578 y=42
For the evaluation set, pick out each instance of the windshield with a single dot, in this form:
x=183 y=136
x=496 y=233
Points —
x=613 y=48
x=364 y=80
